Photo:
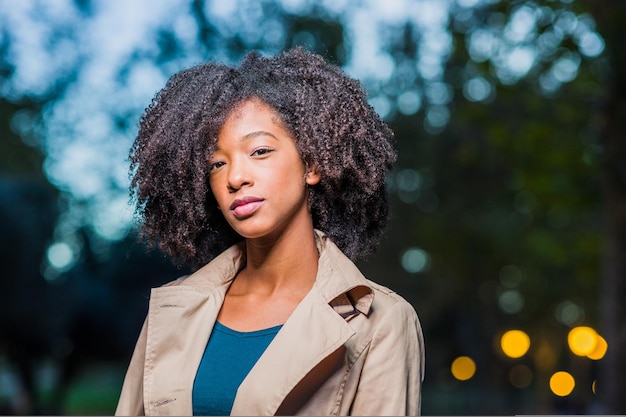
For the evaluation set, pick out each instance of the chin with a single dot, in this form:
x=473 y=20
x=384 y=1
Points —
x=252 y=231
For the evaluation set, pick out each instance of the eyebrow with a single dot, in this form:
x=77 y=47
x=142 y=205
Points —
x=251 y=135
x=255 y=134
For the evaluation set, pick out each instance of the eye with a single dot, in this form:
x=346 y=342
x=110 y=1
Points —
x=262 y=152
x=215 y=165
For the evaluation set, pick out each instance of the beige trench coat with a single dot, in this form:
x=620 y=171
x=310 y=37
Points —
x=351 y=347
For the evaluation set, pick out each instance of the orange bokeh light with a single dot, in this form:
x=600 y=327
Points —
x=515 y=343
x=562 y=383
x=582 y=340
x=463 y=368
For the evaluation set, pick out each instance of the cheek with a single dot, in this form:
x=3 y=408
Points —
x=293 y=185
x=214 y=187
x=291 y=174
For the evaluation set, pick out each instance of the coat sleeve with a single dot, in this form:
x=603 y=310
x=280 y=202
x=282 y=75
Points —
x=131 y=398
x=393 y=371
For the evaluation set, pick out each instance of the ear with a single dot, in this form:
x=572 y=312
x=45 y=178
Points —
x=312 y=176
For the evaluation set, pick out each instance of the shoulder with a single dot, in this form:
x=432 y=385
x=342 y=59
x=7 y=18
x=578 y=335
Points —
x=176 y=282
x=337 y=274
x=220 y=271
x=390 y=304
x=393 y=324
x=391 y=329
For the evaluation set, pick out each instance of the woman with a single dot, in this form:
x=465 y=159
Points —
x=269 y=177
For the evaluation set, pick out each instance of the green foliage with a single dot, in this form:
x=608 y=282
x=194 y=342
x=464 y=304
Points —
x=518 y=184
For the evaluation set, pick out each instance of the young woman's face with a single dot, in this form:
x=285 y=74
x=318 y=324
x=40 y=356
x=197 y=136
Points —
x=257 y=175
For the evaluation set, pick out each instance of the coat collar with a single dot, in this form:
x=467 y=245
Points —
x=339 y=282
x=317 y=331
x=190 y=306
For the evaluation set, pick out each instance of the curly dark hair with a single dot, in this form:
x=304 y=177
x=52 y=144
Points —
x=326 y=111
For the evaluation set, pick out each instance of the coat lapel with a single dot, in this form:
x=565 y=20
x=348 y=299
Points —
x=312 y=333
x=180 y=321
x=167 y=387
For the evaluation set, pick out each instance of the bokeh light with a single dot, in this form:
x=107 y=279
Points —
x=591 y=44
x=511 y=301
x=408 y=182
x=477 y=89
x=463 y=368
x=60 y=255
x=520 y=376
x=600 y=349
x=582 y=340
x=569 y=313
x=409 y=102
x=415 y=260
x=545 y=355
x=562 y=383
x=515 y=343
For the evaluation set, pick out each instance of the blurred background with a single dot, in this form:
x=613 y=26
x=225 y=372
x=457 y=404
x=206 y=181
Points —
x=508 y=197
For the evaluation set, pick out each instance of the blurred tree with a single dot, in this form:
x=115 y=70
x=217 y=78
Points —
x=64 y=321
x=499 y=220
x=608 y=119
x=27 y=215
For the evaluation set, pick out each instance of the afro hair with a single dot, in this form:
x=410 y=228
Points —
x=327 y=113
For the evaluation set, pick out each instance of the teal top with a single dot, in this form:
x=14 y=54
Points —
x=228 y=357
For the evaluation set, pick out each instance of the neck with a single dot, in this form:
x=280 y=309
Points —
x=287 y=262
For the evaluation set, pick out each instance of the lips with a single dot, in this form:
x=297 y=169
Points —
x=245 y=206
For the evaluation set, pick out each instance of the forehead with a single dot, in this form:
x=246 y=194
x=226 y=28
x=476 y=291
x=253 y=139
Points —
x=253 y=105
x=247 y=119
x=251 y=114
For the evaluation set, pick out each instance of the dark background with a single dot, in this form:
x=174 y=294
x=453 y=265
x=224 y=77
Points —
x=508 y=197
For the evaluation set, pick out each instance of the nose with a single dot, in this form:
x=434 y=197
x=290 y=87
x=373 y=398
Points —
x=239 y=175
